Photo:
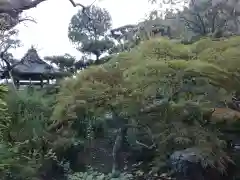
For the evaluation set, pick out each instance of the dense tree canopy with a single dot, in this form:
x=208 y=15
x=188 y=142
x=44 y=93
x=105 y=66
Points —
x=156 y=108
x=65 y=62
x=162 y=94
x=209 y=17
x=88 y=31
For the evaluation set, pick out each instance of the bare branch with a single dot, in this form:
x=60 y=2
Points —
x=84 y=8
x=203 y=28
x=77 y=4
x=9 y=69
x=146 y=146
x=191 y=25
x=27 y=19
x=9 y=66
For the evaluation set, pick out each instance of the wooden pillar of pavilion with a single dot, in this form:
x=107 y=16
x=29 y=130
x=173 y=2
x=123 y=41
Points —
x=30 y=81
x=16 y=83
x=41 y=83
x=41 y=80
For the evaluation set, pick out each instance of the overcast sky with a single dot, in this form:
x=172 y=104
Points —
x=49 y=34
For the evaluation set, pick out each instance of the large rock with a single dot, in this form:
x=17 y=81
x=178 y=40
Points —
x=187 y=165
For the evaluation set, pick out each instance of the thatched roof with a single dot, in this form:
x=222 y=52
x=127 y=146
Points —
x=32 y=66
x=31 y=63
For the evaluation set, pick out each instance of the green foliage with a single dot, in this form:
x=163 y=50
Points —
x=6 y=153
x=163 y=48
x=25 y=136
x=191 y=20
x=139 y=84
x=93 y=175
x=88 y=31
x=30 y=104
x=9 y=151
x=3 y=91
x=65 y=62
x=163 y=86
x=82 y=28
x=97 y=47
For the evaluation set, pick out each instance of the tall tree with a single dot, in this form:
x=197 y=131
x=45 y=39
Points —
x=204 y=17
x=88 y=31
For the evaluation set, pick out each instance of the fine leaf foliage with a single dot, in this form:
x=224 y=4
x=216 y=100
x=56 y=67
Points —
x=161 y=84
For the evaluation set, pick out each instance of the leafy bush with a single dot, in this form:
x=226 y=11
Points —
x=25 y=136
x=94 y=175
x=29 y=109
x=162 y=91
x=162 y=85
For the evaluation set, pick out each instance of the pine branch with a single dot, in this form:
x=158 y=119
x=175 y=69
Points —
x=14 y=8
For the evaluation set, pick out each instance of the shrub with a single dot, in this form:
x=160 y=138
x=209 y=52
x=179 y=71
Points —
x=25 y=136
x=161 y=85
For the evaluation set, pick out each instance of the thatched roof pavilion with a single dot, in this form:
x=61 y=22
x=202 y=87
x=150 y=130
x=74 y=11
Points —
x=32 y=68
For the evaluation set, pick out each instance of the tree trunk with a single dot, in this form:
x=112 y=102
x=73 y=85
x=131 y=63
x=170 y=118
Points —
x=12 y=79
x=118 y=146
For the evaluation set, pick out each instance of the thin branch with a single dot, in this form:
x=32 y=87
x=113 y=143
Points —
x=214 y=18
x=192 y=25
x=9 y=69
x=27 y=19
x=93 y=3
x=9 y=66
x=146 y=146
x=203 y=28
x=119 y=141
x=77 y=4
x=84 y=8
